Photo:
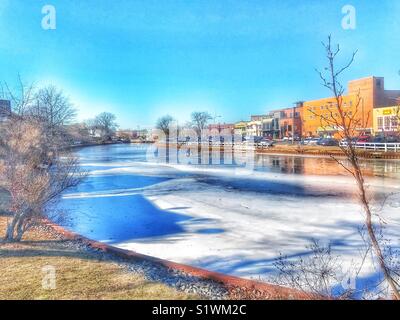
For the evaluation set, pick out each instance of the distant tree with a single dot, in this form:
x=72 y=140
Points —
x=106 y=123
x=52 y=108
x=199 y=121
x=90 y=124
x=164 y=123
x=77 y=132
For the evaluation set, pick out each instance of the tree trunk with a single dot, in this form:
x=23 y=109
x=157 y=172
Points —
x=374 y=241
x=11 y=229
x=20 y=229
x=16 y=229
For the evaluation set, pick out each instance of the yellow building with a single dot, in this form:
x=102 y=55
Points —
x=386 y=119
x=254 y=128
x=240 y=128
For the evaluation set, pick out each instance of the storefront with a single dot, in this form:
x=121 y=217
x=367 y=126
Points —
x=386 y=119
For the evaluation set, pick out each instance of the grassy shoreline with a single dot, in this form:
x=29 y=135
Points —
x=80 y=273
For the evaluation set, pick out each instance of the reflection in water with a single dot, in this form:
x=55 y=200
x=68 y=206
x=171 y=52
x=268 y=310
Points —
x=324 y=166
x=289 y=164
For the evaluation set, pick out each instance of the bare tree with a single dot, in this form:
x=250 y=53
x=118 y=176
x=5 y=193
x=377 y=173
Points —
x=347 y=126
x=77 y=132
x=106 y=122
x=90 y=124
x=22 y=97
x=164 y=123
x=33 y=173
x=52 y=108
x=199 y=121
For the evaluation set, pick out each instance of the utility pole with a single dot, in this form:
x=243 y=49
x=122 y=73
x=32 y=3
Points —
x=293 y=114
x=216 y=117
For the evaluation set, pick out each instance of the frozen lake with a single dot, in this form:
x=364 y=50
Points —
x=212 y=217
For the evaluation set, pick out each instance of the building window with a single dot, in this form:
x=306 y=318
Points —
x=394 y=122
x=387 y=123
x=380 y=123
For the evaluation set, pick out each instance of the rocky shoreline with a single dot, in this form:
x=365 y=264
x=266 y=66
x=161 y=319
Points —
x=151 y=271
x=202 y=283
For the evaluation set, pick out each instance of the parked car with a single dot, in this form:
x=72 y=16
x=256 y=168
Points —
x=328 y=142
x=392 y=139
x=309 y=141
x=387 y=139
x=379 y=139
x=364 y=139
x=255 y=139
x=266 y=142
x=314 y=141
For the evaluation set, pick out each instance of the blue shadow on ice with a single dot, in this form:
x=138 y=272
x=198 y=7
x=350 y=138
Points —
x=122 y=218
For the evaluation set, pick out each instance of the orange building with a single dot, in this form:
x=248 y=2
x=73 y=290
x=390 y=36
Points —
x=363 y=96
x=290 y=122
x=315 y=111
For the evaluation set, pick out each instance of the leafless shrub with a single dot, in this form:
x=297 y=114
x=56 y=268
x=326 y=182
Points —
x=315 y=274
x=347 y=126
x=35 y=168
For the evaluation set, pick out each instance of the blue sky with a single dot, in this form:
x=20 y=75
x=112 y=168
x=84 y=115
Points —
x=143 y=59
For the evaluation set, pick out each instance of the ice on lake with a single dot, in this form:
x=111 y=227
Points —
x=211 y=217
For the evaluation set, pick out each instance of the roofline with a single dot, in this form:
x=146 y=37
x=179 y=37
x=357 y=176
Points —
x=328 y=98
x=364 y=78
